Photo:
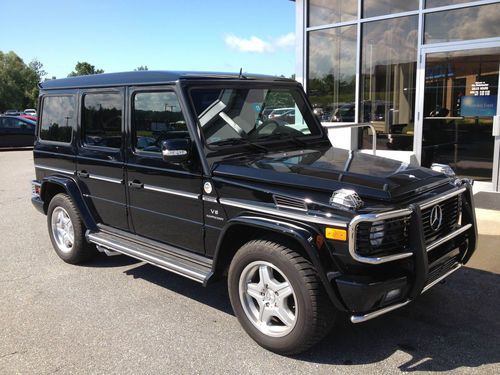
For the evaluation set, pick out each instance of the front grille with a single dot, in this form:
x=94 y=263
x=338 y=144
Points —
x=436 y=272
x=385 y=237
x=451 y=212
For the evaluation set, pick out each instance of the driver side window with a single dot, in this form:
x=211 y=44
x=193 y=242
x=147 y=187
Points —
x=156 y=116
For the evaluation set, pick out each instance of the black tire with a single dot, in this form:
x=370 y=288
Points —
x=314 y=313
x=81 y=250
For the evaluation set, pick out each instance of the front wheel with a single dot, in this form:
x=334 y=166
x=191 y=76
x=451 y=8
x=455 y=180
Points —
x=278 y=298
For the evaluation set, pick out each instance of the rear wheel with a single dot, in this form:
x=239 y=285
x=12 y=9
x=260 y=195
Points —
x=67 y=231
x=278 y=298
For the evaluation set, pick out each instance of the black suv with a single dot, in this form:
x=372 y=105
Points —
x=184 y=171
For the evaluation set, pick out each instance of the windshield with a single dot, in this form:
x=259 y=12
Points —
x=233 y=115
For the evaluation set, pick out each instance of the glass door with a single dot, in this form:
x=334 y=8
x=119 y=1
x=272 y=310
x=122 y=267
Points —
x=458 y=109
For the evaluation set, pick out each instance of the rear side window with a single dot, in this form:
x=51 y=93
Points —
x=102 y=119
x=58 y=118
x=156 y=117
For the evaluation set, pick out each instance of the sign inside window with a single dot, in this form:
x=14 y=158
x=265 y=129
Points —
x=478 y=106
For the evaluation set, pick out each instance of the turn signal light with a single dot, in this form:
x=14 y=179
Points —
x=336 y=234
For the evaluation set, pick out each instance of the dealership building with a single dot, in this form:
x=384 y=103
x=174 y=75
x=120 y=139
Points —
x=422 y=74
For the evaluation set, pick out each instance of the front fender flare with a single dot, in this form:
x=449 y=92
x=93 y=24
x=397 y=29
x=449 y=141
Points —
x=71 y=188
x=303 y=235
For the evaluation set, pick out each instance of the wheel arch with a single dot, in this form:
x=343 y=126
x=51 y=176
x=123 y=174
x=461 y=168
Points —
x=242 y=229
x=53 y=185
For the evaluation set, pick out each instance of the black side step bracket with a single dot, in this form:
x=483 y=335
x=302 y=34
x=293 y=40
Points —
x=178 y=261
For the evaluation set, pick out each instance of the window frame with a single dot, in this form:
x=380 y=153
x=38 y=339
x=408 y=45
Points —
x=81 y=133
x=74 y=126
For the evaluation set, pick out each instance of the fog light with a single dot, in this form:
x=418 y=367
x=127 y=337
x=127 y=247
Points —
x=392 y=294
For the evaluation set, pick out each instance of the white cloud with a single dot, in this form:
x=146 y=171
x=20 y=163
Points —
x=287 y=40
x=253 y=44
x=258 y=45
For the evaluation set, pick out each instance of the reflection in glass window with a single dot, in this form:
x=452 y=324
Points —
x=442 y=3
x=58 y=118
x=462 y=24
x=324 y=12
x=331 y=84
x=372 y=8
x=238 y=116
x=156 y=117
x=102 y=120
x=388 y=74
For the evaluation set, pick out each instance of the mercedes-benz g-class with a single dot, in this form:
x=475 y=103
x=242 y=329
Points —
x=184 y=171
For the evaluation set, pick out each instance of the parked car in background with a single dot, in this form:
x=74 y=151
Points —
x=30 y=112
x=29 y=117
x=16 y=131
x=12 y=112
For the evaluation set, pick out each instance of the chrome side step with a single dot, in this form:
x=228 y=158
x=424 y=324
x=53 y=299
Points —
x=168 y=260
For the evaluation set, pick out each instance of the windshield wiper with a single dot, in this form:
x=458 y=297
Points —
x=283 y=137
x=240 y=141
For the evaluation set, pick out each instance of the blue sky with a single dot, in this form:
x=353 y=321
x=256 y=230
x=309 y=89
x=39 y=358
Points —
x=218 y=35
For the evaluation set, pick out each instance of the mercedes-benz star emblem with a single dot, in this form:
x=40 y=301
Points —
x=436 y=217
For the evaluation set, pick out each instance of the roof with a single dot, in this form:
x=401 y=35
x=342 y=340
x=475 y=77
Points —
x=144 y=77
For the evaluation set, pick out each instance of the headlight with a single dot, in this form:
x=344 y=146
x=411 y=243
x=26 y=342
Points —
x=443 y=168
x=377 y=232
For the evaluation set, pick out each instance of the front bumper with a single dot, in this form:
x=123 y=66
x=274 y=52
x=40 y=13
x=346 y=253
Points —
x=367 y=297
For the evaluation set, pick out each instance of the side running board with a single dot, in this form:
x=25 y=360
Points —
x=183 y=263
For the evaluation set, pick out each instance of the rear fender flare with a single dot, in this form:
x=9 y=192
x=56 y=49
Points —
x=71 y=188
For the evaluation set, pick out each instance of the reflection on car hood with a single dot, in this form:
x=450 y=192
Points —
x=331 y=169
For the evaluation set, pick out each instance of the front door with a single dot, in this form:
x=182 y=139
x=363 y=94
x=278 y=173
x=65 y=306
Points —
x=164 y=198
x=459 y=108
x=100 y=164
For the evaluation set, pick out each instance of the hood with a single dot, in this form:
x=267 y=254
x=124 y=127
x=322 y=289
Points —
x=330 y=169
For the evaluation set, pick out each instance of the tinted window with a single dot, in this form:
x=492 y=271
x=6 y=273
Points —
x=372 y=8
x=102 y=120
x=157 y=116
x=58 y=118
x=462 y=24
x=323 y=12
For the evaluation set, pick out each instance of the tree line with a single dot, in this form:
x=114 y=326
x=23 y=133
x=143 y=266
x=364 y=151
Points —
x=19 y=81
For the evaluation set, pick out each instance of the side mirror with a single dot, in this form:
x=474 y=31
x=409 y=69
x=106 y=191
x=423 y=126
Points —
x=176 y=150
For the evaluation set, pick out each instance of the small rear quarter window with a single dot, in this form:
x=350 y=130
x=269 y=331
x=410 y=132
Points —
x=58 y=118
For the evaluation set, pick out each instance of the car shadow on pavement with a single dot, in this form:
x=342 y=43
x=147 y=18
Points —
x=105 y=261
x=451 y=326
x=214 y=295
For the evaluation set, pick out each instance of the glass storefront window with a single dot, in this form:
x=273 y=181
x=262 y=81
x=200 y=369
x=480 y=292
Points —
x=372 y=8
x=442 y=3
x=462 y=24
x=460 y=101
x=324 y=12
x=331 y=84
x=388 y=77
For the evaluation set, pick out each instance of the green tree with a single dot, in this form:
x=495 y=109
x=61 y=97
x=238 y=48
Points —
x=84 y=69
x=142 y=67
x=18 y=82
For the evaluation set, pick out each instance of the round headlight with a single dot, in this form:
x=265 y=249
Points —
x=377 y=232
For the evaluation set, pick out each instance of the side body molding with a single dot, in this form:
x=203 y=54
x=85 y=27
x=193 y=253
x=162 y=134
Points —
x=71 y=188
x=303 y=235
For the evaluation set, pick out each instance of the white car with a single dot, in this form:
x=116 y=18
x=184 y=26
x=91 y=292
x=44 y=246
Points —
x=30 y=112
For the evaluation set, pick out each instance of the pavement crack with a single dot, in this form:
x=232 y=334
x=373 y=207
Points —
x=13 y=353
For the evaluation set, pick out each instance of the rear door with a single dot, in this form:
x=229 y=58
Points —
x=100 y=161
x=165 y=198
x=16 y=132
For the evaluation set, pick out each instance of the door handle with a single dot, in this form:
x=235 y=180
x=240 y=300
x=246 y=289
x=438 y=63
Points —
x=136 y=184
x=83 y=174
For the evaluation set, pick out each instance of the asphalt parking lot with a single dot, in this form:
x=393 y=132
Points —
x=118 y=315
